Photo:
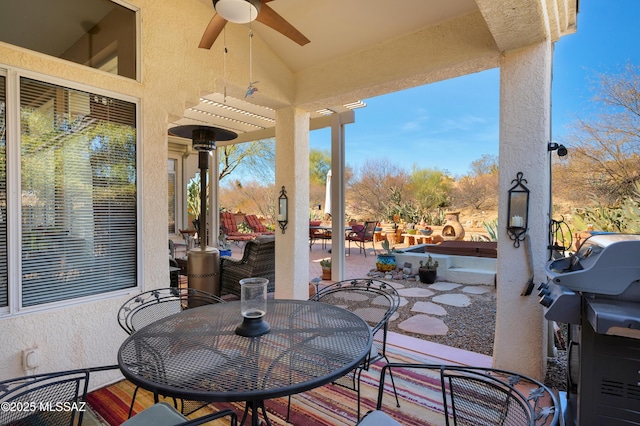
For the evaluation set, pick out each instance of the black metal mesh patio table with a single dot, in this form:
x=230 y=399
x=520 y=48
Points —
x=196 y=354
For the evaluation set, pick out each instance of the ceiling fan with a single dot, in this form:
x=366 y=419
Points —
x=244 y=11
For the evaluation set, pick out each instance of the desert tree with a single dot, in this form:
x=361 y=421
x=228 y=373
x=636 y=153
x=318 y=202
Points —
x=256 y=159
x=371 y=186
x=604 y=154
x=478 y=188
x=429 y=189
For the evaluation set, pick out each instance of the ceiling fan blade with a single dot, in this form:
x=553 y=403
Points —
x=212 y=32
x=270 y=18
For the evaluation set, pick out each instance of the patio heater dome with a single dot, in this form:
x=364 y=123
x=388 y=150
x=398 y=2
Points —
x=203 y=138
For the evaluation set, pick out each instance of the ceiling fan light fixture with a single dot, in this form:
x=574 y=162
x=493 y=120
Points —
x=238 y=11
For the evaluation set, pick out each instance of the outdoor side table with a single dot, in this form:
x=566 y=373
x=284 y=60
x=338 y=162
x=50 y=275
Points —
x=196 y=354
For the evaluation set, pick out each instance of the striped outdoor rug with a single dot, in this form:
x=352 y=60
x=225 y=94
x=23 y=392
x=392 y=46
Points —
x=330 y=405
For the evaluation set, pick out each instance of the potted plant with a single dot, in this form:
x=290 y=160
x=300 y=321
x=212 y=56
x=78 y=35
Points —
x=386 y=261
x=224 y=245
x=325 y=264
x=428 y=271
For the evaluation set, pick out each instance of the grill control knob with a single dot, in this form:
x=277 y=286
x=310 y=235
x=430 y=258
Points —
x=546 y=301
x=544 y=292
x=543 y=286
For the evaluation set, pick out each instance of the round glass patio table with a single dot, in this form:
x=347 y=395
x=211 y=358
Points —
x=196 y=355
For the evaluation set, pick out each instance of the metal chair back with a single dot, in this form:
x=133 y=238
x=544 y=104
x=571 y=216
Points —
x=44 y=399
x=372 y=300
x=152 y=305
x=479 y=398
x=363 y=236
x=375 y=302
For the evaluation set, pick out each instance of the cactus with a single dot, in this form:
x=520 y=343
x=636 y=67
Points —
x=430 y=263
x=624 y=217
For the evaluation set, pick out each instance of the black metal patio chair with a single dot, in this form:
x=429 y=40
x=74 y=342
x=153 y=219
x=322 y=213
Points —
x=478 y=395
x=375 y=302
x=27 y=400
x=152 y=305
x=59 y=399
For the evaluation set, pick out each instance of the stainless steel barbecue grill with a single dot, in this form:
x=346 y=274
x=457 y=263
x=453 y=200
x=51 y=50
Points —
x=597 y=292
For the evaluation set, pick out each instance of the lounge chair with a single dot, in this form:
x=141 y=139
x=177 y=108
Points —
x=256 y=225
x=229 y=226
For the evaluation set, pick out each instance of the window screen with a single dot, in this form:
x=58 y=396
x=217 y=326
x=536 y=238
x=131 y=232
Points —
x=78 y=182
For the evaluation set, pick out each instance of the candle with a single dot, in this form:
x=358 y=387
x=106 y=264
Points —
x=516 y=221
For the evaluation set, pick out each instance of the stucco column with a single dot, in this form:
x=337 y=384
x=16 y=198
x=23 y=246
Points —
x=525 y=103
x=292 y=172
x=337 y=198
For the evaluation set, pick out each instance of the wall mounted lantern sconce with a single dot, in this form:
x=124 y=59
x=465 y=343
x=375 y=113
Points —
x=518 y=210
x=283 y=209
x=553 y=146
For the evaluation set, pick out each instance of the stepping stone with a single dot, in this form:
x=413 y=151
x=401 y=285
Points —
x=397 y=285
x=428 y=308
x=403 y=302
x=476 y=289
x=394 y=316
x=444 y=286
x=380 y=301
x=424 y=324
x=415 y=292
x=460 y=300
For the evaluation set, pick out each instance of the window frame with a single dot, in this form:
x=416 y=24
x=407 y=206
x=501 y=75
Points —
x=137 y=49
x=14 y=185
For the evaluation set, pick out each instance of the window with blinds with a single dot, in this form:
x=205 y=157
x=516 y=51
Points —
x=4 y=281
x=79 y=191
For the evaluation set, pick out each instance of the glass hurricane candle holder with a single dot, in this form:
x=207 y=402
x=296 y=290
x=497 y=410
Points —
x=253 y=307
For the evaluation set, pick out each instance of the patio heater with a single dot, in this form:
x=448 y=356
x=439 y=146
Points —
x=203 y=263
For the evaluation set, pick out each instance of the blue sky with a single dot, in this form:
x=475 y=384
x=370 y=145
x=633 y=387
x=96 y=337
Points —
x=449 y=124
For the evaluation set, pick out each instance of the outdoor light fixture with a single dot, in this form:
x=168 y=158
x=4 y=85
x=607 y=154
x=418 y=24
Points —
x=283 y=209
x=553 y=146
x=238 y=11
x=518 y=210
